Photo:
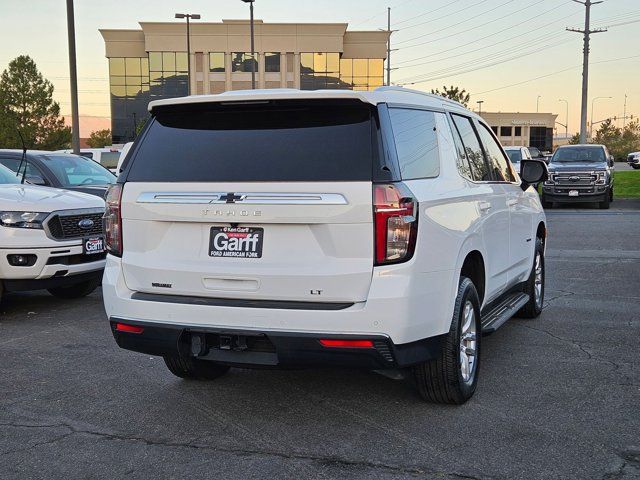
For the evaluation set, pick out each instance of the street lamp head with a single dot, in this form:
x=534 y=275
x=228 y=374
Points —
x=180 y=15
x=195 y=16
x=248 y=1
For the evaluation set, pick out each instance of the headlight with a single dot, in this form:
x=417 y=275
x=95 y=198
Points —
x=22 y=219
x=601 y=179
x=549 y=181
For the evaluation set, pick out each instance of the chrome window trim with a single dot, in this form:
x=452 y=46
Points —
x=245 y=198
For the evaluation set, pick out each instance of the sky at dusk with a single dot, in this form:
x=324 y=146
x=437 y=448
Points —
x=504 y=52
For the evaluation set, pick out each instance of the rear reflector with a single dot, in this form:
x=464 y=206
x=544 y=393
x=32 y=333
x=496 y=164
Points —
x=346 y=343
x=123 y=327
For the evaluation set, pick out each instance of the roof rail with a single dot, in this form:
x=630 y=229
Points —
x=397 y=88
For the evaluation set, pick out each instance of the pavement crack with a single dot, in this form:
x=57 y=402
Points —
x=320 y=459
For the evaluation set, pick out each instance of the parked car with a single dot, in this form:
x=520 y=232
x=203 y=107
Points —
x=382 y=229
x=49 y=239
x=107 y=157
x=516 y=154
x=579 y=173
x=59 y=170
x=536 y=153
x=633 y=159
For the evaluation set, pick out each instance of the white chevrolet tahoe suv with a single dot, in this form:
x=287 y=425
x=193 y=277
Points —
x=378 y=230
x=49 y=239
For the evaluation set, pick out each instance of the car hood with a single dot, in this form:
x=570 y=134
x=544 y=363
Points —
x=97 y=190
x=576 y=166
x=44 y=199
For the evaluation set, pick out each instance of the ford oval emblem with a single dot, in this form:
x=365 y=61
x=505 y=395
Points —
x=574 y=179
x=85 y=223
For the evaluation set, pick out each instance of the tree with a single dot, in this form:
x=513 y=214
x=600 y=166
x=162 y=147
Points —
x=619 y=141
x=26 y=104
x=100 y=138
x=454 y=93
x=575 y=140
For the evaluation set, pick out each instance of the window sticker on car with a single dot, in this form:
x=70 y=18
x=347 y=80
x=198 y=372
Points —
x=239 y=242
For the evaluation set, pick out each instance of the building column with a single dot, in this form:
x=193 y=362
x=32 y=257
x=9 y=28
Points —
x=260 y=80
x=283 y=69
x=296 y=70
x=227 y=71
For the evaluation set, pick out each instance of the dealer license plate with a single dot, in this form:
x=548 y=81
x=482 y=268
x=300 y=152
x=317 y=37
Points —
x=573 y=193
x=238 y=242
x=93 y=245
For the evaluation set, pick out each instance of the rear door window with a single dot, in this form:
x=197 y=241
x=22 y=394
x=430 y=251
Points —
x=473 y=150
x=268 y=141
x=498 y=161
x=416 y=140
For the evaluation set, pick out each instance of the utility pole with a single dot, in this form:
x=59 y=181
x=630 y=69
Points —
x=389 y=46
x=480 y=102
x=624 y=115
x=585 y=64
x=538 y=103
x=73 y=75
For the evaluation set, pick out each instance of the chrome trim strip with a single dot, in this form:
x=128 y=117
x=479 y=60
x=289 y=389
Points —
x=244 y=198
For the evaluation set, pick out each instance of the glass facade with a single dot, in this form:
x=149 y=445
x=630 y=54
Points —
x=216 y=62
x=272 y=62
x=241 y=62
x=327 y=70
x=129 y=86
x=134 y=82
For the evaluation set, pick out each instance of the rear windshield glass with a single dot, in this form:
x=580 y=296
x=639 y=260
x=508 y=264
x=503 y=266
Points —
x=258 y=142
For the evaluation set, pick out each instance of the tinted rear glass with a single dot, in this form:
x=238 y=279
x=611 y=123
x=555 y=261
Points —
x=258 y=142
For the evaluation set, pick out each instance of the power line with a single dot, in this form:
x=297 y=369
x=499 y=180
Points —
x=553 y=73
x=433 y=32
x=444 y=16
x=472 y=28
x=475 y=41
x=444 y=73
x=429 y=12
x=499 y=31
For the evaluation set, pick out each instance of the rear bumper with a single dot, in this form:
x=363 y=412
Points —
x=271 y=349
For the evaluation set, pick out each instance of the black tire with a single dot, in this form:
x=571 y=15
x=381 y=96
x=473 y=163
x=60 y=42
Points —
x=533 y=308
x=635 y=167
x=194 y=369
x=441 y=380
x=77 y=290
x=604 y=205
x=611 y=194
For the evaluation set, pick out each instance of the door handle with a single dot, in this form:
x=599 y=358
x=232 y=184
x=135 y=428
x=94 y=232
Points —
x=484 y=206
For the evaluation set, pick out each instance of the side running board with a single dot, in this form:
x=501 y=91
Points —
x=494 y=318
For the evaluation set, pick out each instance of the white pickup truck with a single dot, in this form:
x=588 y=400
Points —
x=49 y=239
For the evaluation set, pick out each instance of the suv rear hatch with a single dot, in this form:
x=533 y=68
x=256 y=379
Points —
x=266 y=200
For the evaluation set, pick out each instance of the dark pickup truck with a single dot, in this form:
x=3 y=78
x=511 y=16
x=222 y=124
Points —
x=579 y=173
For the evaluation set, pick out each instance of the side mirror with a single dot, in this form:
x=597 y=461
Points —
x=612 y=160
x=532 y=172
x=36 y=180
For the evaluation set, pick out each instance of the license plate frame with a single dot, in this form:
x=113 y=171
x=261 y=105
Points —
x=89 y=245
x=236 y=242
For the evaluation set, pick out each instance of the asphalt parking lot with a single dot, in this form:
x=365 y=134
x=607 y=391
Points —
x=558 y=396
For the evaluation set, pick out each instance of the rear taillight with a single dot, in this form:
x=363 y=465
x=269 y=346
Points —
x=112 y=220
x=396 y=223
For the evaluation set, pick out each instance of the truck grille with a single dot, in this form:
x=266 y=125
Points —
x=62 y=227
x=574 y=179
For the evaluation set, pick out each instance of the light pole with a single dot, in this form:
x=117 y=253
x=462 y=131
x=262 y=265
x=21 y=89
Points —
x=188 y=16
x=480 y=102
x=538 y=103
x=591 y=123
x=253 y=60
x=566 y=127
x=73 y=75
